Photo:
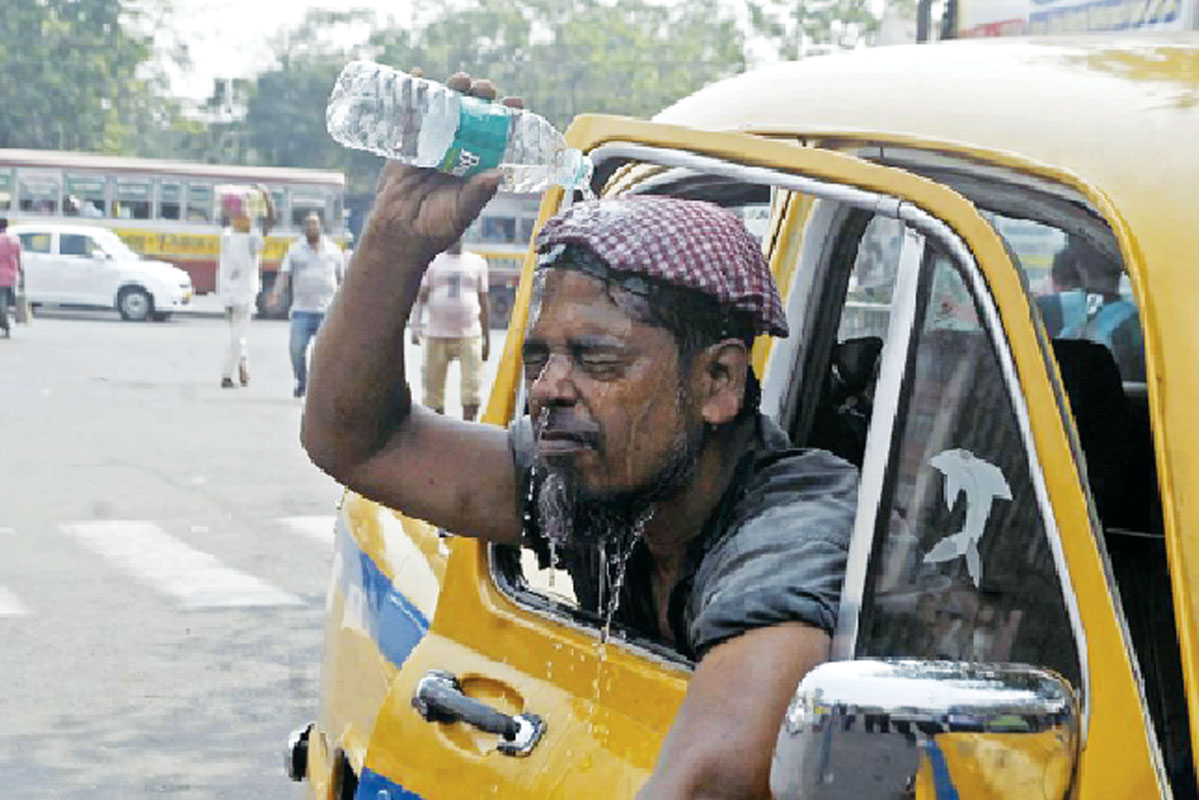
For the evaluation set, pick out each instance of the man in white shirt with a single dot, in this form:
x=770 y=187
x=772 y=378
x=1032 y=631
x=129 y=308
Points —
x=455 y=291
x=238 y=285
x=313 y=267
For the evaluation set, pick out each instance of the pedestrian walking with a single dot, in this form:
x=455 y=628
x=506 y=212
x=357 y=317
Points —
x=454 y=290
x=238 y=283
x=11 y=274
x=313 y=267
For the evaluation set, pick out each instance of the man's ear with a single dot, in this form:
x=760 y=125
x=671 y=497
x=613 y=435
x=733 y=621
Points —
x=723 y=370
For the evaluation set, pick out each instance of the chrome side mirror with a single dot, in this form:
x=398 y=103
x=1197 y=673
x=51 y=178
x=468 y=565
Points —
x=905 y=729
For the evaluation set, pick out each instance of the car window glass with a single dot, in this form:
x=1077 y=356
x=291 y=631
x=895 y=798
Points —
x=872 y=279
x=35 y=242
x=1080 y=288
x=962 y=567
x=842 y=410
x=75 y=244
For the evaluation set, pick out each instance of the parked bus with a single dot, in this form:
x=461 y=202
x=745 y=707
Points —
x=501 y=234
x=165 y=209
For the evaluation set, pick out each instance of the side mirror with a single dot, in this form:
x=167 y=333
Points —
x=906 y=729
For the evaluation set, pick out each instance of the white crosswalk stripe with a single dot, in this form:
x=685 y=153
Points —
x=10 y=604
x=194 y=578
x=317 y=528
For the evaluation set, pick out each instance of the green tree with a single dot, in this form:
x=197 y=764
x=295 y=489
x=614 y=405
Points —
x=791 y=27
x=632 y=57
x=72 y=76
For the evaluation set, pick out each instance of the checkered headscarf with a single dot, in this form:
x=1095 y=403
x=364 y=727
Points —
x=686 y=243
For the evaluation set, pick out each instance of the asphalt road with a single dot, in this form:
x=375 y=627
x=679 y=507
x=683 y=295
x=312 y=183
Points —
x=164 y=553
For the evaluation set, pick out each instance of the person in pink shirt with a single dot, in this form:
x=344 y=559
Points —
x=10 y=273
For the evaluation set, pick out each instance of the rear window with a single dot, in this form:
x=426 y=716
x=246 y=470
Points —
x=35 y=242
x=1080 y=288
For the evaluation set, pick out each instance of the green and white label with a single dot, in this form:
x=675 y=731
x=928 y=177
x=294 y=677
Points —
x=480 y=140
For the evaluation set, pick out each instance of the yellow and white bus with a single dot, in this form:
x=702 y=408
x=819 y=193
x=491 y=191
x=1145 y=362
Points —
x=164 y=209
x=501 y=234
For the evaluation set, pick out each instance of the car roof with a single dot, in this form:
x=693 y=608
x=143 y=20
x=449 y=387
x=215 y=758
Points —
x=1119 y=112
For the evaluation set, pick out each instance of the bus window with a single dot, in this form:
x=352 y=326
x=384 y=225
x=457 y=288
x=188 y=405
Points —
x=131 y=199
x=499 y=229
x=6 y=190
x=527 y=224
x=85 y=196
x=199 y=202
x=305 y=204
x=473 y=232
x=169 y=196
x=335 y=217
x=277 y=200
x=38 y=193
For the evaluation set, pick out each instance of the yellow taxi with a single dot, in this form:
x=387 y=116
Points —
x=988 y=255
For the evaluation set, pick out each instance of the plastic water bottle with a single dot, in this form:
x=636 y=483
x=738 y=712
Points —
x=417 y=121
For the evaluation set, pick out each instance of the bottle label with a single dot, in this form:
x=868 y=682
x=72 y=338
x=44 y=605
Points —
x=480 y=140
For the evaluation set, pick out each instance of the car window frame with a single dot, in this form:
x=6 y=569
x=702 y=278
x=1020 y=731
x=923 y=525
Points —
x=865 y=519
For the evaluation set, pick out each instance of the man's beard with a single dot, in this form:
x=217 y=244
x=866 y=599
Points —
x=568 y=511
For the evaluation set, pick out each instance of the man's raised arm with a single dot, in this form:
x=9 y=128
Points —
x=359 y=423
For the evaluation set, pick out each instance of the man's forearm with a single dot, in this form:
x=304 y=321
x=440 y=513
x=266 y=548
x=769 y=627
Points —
x=357 y=396
x=358 y=360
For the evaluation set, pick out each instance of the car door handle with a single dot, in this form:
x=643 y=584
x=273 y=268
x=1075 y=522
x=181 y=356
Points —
x=439 y=698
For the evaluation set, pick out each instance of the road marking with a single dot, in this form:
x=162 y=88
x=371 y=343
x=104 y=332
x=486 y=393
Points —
x=317 y=528
x=195 y=578
x=10 y=605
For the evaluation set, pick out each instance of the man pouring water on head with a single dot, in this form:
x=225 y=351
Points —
x=643 y=441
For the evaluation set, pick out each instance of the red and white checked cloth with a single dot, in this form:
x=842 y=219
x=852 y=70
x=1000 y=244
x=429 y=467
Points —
x=687 y=243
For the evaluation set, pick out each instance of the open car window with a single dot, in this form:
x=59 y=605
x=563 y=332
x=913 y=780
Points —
x=840 y=288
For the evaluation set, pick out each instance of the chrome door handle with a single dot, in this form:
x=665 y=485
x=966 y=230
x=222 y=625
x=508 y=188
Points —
x=439 y=698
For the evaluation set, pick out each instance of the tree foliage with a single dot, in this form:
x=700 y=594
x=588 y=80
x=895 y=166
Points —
x=630 y=57
x=86 y=74
x=791 y=27
x=71 y=76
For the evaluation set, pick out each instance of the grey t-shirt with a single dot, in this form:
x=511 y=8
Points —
x=773 y=550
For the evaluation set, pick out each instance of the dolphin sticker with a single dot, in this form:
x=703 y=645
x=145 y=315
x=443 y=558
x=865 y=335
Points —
x=982 y=483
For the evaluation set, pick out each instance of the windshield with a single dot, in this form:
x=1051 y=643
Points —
x=111 y=243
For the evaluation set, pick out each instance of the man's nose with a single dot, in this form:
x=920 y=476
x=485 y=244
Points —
x=555 y=383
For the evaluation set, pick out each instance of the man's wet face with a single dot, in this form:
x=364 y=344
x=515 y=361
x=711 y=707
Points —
x=611 y=415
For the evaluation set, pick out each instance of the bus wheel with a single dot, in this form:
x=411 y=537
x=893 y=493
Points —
x=135 y=304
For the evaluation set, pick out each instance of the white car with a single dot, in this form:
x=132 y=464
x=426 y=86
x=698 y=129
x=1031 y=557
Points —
x=89 y=265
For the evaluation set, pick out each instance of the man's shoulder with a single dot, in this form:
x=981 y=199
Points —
x=795 y=492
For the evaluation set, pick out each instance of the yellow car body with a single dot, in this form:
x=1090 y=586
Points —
x=1110 y=123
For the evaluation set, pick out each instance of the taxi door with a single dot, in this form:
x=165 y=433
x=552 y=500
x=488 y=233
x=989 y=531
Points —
x=510 y=692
